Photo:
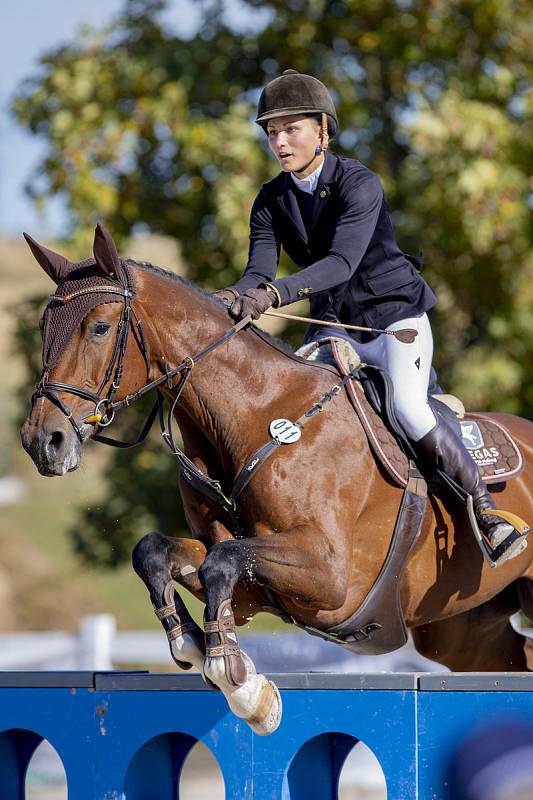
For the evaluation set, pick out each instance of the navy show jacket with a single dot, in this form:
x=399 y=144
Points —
x=350 y=265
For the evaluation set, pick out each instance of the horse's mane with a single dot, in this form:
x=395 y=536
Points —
x=173 y=276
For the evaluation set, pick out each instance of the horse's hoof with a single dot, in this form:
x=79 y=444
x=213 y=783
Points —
x=183 y=665
x=208 y=682
x=185 y=652
x=266 y=715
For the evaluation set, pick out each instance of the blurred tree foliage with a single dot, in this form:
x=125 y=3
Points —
x=145 y=128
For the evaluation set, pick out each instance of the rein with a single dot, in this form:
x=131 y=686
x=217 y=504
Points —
x=105 y=407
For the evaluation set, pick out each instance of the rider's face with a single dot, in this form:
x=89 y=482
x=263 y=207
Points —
x=294 y=140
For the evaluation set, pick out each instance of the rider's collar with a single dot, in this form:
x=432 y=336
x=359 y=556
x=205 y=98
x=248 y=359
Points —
x=309 y=183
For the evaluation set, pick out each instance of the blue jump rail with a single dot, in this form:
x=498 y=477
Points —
x=125 y=736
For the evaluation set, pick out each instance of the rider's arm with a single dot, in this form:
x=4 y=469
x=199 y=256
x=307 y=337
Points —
x=264 y=250
x=361 y=197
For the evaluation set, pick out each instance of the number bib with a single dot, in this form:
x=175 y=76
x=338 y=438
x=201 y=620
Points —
x=284 y=431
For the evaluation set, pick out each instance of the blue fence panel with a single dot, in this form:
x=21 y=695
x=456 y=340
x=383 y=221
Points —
x=453 y=708
x=125 y=736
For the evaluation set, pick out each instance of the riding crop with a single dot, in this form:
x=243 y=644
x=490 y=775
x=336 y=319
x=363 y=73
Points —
x=405 y=335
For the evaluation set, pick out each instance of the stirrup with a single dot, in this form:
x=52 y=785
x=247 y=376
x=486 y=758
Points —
x=520 y=530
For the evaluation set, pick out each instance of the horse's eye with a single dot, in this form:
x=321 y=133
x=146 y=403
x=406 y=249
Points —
x=101 y=328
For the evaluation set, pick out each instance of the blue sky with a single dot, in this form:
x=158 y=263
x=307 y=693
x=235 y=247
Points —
x=28 y=29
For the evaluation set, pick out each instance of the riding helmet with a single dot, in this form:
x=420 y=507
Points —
x=296 y=93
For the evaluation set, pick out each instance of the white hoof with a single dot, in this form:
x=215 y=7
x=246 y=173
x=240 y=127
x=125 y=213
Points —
x=266 y=712
x=185 y=648
x=257 y=701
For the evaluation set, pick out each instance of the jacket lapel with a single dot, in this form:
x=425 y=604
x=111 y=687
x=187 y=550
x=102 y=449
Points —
x=323 y=191
x=289 y=204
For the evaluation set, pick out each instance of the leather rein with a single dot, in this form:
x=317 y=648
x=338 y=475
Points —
x=106 y=406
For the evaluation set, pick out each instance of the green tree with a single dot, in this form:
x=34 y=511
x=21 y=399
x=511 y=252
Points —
x=143 y=127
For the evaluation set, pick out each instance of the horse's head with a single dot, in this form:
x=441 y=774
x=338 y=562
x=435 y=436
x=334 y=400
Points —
x=85 y=337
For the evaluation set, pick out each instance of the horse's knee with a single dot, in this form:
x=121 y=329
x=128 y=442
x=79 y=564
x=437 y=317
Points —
x=149 y=553
x=220 y=565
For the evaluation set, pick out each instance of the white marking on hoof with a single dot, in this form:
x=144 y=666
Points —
x=257 y=701
x=185 y=648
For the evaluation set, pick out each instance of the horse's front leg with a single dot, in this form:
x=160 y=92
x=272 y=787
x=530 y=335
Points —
x=289 y=566
x=159 y=561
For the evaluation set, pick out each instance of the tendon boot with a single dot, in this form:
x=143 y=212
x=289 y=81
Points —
x=443 y=448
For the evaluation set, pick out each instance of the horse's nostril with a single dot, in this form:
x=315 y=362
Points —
x=55 y=441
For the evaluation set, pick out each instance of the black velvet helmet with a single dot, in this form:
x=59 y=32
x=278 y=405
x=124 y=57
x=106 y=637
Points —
x=296 y=93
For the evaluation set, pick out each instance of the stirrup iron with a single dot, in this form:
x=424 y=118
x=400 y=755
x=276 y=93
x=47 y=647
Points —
x=521 y=529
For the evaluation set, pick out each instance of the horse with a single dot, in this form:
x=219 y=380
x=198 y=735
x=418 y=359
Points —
x=315 y=520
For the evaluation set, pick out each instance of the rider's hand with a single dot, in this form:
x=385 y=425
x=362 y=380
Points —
x=227 y=295
x=253 y=302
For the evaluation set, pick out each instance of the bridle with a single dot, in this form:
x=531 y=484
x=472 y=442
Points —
x=105 y=406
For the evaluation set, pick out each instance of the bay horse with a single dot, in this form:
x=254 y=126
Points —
x=316 y=519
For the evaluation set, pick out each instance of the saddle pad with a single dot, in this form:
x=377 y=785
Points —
x=487 y=441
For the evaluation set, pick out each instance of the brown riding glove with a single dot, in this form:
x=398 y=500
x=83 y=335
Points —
x=253 y=302
x=227 y=295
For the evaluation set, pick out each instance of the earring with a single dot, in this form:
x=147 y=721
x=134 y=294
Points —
x=318 y=150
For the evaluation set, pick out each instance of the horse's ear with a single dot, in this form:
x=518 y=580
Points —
x=105 y=253
x=54 y=264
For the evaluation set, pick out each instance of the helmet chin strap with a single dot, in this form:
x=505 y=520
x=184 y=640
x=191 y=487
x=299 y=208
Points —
x=325 y=134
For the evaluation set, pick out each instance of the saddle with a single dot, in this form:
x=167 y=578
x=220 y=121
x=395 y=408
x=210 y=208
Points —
x=488 y=442
x=378 y=625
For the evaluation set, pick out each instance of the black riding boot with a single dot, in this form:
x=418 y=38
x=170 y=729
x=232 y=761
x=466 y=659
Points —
x=443 y=447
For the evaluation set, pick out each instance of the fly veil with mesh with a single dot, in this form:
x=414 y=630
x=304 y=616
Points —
x=79 y=292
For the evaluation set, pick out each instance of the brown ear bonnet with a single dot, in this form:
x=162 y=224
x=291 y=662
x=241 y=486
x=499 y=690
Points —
x=81 y=286
x=62 y=315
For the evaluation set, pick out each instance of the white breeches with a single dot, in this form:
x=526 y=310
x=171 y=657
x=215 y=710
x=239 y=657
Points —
x=409 y=366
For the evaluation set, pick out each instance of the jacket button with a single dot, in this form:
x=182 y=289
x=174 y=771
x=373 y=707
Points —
x=303 y=292
x=323 y=193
